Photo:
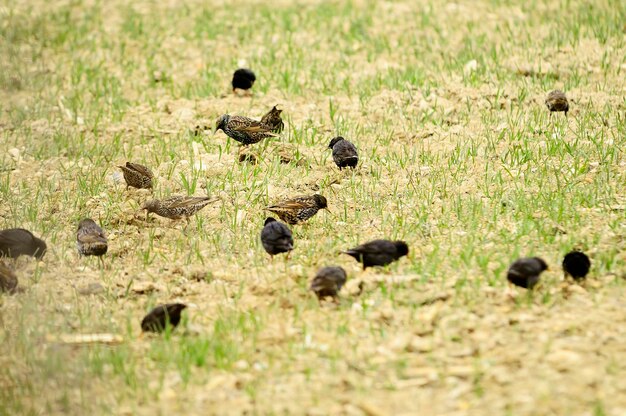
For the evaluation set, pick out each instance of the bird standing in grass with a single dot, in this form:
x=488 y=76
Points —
x=557 y=101
x=243 y=129
x=90 y=239
x=525 y=272
x=15 y=242
x=344 y=153
x=328 y=281
x=136 y=175
x=576 y=264
x=378 y=252
x=158 y=318
x=299 y=209
x=273 y=120
x=8 y=279
x=176 y=206
x=243 y=79
x=276 y=237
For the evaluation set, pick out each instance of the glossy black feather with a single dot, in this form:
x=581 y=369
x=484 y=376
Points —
x=576 y=264
x=15 y=242
x=157 y=319
x=243 y=79
x=378 y=252
x=328 y=281
x=525 y=272
x=276 y=237
x=344 y=153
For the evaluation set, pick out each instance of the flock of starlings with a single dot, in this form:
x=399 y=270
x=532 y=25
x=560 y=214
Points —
x=276 y=237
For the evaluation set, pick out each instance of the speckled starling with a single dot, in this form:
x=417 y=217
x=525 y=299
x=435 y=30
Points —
x=276 y=237
x=243 y=129
x=137 y=176
x=15 y=242
x=344 y=153
x=273 y=120
x=243 y=79
x=557 y=101
x=90 y=239
x=328 y=281
x=159 y=317
x=525 y=272
x=177 y=206
x=576 y=264
x=378 y=252
x=299 y=209
x=8 y=279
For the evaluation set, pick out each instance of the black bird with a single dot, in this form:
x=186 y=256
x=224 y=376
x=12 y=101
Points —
x=525 y=272
x=557 y=101
x=158 y=318
x=273 y=120
x=344 y=153
x=243 y=79
x=576 y=264
x=90 y=239
x=328 y=281
x=378 y=252
x=8 y=279
x=299 y=209
x=15 y=242
x=276 y=237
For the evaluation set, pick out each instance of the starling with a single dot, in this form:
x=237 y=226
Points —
x=177 y=206
x=273 y=120
x=90 y=239
x=243 y=79
x=17 y=241
x=8 y=279
x=328 y=281
x=344 y=153
x=576 y=264
x=243 y=129
x=158 y=318
x=276 y=237
x=525 y=272
x=557 y=101
x=136 y=175
x=299 y=209
x=378 y=252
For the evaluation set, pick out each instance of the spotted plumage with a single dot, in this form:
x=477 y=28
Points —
x=273 y=120
x=276 y=237
x=158 y=318
x=243 y=129
x=344 y=153
x=243 y=79
x=176 y=206
x=137 y=176
x=90 y=239
x=15 y=242
x=525 y=272
x=299 y=209
x=557 y=101
x=378 y=252
x=328 y=281
x=8 y=279
x=576 y=264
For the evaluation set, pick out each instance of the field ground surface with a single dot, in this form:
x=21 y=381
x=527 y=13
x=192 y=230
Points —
x=458 y=156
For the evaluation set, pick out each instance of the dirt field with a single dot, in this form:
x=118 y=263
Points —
x=458 y=156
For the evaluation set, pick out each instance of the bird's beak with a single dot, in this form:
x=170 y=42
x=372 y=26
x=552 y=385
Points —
x=328 y=209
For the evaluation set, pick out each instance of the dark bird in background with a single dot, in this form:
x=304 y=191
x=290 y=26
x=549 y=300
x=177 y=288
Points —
x=344 y=153
x=273 y=120
x=243 y=129
x=276 y=237
x=525 y=272
x=557 y=101
x=299 y=209
x=243 y=79
x=328 y=281
x=136 y=175
x=159 y=317
x=378 y=252
x=8 y=279
x=90 y=239
x=576 y=264
x=15 y=242
x=176 y=206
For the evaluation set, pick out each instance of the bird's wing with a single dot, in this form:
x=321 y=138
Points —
x=248 y=126
x=190 y=200
x=290 y=205
x=140 y=168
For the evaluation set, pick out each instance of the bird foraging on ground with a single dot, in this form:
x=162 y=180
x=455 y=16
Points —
x=276 y=237
x=378 y=252
x=243 y=79
x=328 y=281
x=243 y=129
x=8 y=279
x=177 y=206
x=344 y=153
x=576 y=264
x=15 y=242
x=90 y=239
x=557 y=101
x=158 y=318
x=299 y=209
x=525 y=272
x=136 y=175
x=273 y=120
